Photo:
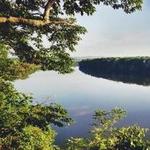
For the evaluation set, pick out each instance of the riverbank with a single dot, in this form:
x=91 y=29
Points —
x=127 y=69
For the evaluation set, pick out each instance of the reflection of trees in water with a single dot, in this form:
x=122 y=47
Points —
x=128 y=70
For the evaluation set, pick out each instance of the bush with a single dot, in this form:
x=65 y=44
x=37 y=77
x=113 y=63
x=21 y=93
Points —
x=104 y=136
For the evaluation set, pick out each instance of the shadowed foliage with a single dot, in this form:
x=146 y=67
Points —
x=24 y=24
x=135 y=70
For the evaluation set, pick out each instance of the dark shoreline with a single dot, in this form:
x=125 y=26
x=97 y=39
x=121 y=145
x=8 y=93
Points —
x=134 y=70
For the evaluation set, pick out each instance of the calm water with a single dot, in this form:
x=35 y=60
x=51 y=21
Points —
x=81 y=94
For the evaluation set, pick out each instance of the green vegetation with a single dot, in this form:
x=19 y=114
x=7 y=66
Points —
x=22 y=124
x=104 y=136
x=23 y=25
x=12 y=68
x=19 y=116
x=127 y=69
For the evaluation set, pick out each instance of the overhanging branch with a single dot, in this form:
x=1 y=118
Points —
x=34 y=22
x=37 y=22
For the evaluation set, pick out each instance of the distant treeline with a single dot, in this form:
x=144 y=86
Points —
x=129 y=69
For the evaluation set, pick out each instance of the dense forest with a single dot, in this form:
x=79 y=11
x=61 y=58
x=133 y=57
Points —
x=128 y=70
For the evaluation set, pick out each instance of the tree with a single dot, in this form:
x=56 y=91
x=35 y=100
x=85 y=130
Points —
x=23 y=26
x=104 y=136
x=23 y=22
x=21 y=121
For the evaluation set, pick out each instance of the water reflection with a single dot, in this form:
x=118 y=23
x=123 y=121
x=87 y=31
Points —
x=130 y=78
x=81 y=94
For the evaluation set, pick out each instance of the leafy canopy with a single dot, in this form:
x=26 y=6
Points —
x=12 y=68
x=23 y=26
x=25 y=23
x=19 y=116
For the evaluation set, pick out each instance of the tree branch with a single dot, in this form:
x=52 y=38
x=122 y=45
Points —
x=47 y=9
x=34 y=22
x=37 y=22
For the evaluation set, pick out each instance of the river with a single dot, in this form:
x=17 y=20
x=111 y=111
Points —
x=82 y=94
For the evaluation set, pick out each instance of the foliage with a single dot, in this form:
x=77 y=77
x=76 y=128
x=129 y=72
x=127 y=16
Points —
x=27 y=40
x=30 y=138
x=24 y=126
x=125 y=69
x=19 y=115
x=34 y=138
x=12 y=68
x=104 y=136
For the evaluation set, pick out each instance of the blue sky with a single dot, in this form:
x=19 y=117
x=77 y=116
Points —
x=114 y=33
